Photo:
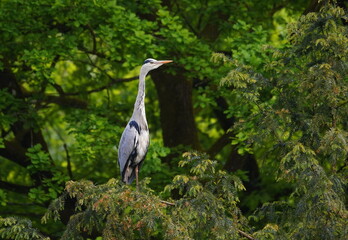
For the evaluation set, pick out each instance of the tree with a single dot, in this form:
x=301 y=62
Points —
x=68 y=71
x=304 y=124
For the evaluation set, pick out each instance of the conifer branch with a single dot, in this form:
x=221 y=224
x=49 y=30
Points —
x=242 y=233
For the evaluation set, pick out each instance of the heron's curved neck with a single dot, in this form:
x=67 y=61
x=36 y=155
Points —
x=140 y=101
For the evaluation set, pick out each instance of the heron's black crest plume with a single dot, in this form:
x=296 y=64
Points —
x=146 y=61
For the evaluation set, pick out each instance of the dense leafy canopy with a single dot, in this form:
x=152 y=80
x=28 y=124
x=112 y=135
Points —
x=249 y=126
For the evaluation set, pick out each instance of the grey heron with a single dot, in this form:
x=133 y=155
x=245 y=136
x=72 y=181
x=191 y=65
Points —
x=135 y=137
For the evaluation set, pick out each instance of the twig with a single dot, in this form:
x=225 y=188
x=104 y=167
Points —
x=98 y=54
x=244 y=234
x=108 y=85
x=220 y=143
x=168 y=203
x=112 y=82
x=58 y=88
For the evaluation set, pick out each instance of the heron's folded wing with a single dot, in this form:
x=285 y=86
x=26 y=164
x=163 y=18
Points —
x=128 y=143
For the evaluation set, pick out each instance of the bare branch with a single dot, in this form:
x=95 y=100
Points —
x=98 y=54
x=58 y=88
x=14 y=152
x=14 y=187
x=108 y=85
x=65 y=101
x=220 y=144
x=167 y=203
x=244 y=234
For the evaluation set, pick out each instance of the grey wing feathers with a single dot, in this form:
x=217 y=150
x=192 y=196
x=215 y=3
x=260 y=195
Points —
x=127 y=152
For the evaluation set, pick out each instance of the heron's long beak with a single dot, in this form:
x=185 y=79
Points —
x=163 y=61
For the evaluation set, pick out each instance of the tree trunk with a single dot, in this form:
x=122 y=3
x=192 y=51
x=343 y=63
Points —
x=176 y=110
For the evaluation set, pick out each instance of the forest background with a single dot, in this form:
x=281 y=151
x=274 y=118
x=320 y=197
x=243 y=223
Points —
x=249 y=125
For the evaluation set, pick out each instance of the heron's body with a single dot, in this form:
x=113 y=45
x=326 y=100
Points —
x=138 y=149
x=135 y=137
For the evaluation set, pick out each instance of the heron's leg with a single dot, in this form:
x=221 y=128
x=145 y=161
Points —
x=136 y=175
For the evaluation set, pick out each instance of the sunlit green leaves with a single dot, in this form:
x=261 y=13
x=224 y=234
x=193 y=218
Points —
x=155 y=167
x=207 y=194
x=51 y=187
x=39 y=159
x=115 y=210
x=204 y=174
x=40 y=63
x=299 y=159
x=3 y=198
x=334 y=147
x=301 y=126
x=207 y=209
x=95 y=138
x=287 y=105
x=247 y=43
x=16 y=229
x=10 y=109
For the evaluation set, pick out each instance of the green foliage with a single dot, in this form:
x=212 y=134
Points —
x=247 y=43
x=319 y=200
x=112 y=209
x=305 y=120
x=9 y=107
x=17 y=229
x=51 y=187
x=158 y=170
x=3 y=198
x=39 y=159
x=209 y=197
x=92 y=136
x=270 y=105
x=207 y=209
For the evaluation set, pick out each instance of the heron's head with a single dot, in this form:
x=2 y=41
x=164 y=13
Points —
x=150 y=63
